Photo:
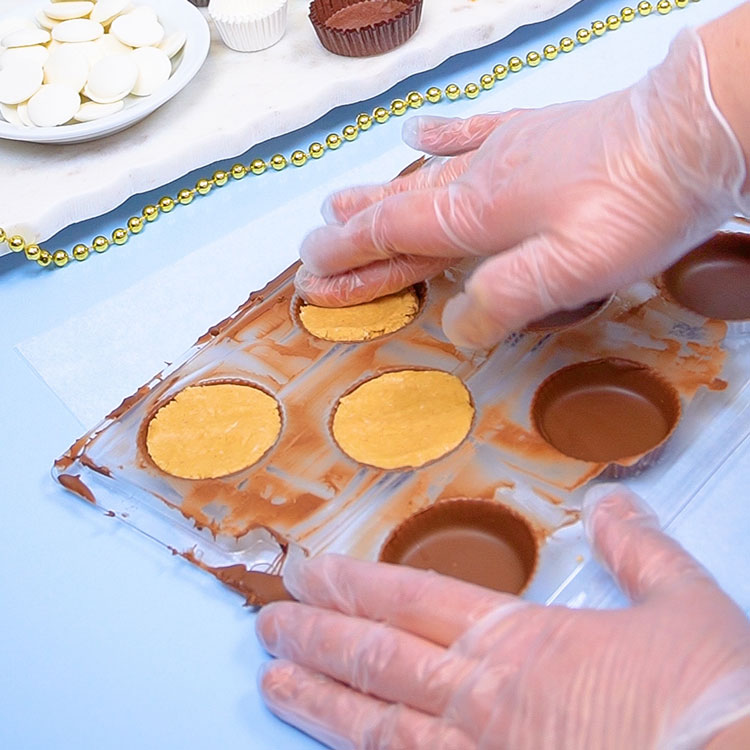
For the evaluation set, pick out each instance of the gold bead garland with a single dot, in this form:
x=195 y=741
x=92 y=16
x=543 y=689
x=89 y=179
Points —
x=333 y=141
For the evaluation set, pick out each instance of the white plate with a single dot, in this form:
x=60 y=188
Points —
x=173 y=15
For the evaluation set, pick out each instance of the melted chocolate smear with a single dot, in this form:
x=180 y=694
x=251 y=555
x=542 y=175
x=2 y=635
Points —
x=128 y=402
x=714 y=279
x=86 y=461
x=73 y=483
x=257 y=588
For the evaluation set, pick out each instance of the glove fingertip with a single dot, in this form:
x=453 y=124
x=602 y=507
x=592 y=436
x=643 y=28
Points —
x=612 y=502
x=329 y=211
x=276 y=682
x=414 y=129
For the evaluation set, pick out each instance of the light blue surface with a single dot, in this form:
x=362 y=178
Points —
x=105 y=640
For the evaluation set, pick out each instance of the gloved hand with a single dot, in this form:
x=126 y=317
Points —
x=570 y=203
x=383 y=656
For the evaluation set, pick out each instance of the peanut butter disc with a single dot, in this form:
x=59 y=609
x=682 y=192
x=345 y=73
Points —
x=211 y=430
x=370 y=320
x=403 y=419
x=476 y=541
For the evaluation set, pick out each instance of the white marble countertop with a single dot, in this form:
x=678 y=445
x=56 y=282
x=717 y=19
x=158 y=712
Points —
x=236 y=101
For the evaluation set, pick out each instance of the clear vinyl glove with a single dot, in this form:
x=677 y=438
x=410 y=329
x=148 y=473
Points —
x=389 y=657
x=566 y=203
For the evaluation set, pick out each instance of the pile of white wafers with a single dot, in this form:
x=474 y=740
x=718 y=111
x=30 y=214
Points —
x=78 y=61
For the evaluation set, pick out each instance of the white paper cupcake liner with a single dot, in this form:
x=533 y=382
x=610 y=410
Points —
x=251 y=31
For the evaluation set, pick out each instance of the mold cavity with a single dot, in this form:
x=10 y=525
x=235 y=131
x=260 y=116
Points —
x=605 y=410
x=475 y=540
x=713 y=279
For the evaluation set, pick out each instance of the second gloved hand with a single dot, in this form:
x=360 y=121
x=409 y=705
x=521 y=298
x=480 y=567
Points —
x=384 y=656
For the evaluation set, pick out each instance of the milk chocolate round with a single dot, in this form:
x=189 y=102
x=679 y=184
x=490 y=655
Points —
x=714 y=279
x=567 y=318
x=477 y=541
x=605 y=410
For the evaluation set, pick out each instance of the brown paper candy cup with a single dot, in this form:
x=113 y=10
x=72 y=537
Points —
x=477 y=541
x=611 y=411
x=366 y=39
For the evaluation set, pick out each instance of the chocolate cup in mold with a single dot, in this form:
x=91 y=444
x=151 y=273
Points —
x=616 y=412
x=143 y=430
x=714 y=280
x=478 y=541
x=421 y=288
x=370 y=39
x=375 y=376
x=562 y=320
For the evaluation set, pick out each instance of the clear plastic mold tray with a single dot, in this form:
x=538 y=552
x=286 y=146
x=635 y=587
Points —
x=305 y=492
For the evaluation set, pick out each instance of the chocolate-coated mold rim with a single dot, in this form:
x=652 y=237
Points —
x=421 y=288
x=602 y=305
x=142 y=448
x=626 y=465
x=734 y=325
x=385 y=371
x=536 y=536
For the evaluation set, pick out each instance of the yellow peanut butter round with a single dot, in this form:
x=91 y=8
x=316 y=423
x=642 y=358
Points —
x=211 y=430
x=403 y=419
x=363 y=322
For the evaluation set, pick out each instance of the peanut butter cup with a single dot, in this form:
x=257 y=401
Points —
x=477 y=541
x=611 y=411
x=359 y=28
x=714 y=279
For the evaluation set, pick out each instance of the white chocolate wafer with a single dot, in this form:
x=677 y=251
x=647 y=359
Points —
x=68 y=66
x=26 y=38
x=77 y=30
x=64 y=11
x=111 y=79
x=54 y=104
x=35 y=55
x=172 y=43
x=10 y=114
x=105 y=10
x=136 y=30
x=89 y=111
x=154 y=69
x=19 y=82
